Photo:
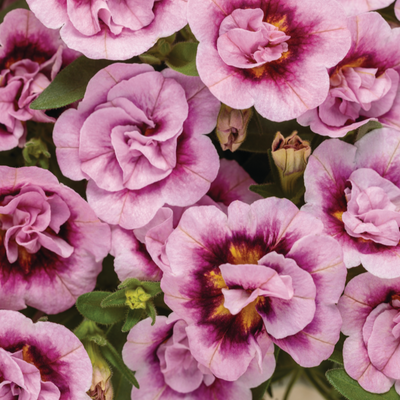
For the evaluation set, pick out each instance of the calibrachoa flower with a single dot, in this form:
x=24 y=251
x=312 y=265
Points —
x=141 y=253
x=262 y=273
x=115 y=30
x=30 y=57
x=41 y=361
x=370 y=309
x=356 y=7
x=272 y=54
x=138 y=137
x=51 y=242
x=364 y=86
x=355 y=192
x=166 y=370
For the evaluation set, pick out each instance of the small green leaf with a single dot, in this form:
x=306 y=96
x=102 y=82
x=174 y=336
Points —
x=98 y=339
x=182 y=58
x=151 y=311
x=150 y=59
x=152 y=288
x=368 y=127
x=267 y=190
x=121 y=387
x=259 y=391
x=112 y=356
x=337 y=355
x=350 y=388
x=116 y=299
x=89 y=306
x=130 y=283
x=133 y=317
x=70 y=84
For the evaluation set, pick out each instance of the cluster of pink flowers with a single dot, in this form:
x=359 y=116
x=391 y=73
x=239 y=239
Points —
x=242 y=275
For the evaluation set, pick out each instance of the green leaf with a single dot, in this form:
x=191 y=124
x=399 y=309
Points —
x=13 y=6
x=152 y=288
x=89 y=306
x=182 y=58
x=267 y=190
x=112 y=356
x=121 y=387
x=116 y=299
x=350 y=388
x=337 y=355
x=130 y=283
x=151 y=311
x=70 y=84
x=368 y=127
x=133 y=317
x=259 y=391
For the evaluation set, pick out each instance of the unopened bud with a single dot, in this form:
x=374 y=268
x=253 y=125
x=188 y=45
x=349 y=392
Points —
x=35 y=152
x=101 y=388
x=232 y=127
x=290 y=156
x=137 y=298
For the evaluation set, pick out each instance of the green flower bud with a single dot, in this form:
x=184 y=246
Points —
x=137 y=298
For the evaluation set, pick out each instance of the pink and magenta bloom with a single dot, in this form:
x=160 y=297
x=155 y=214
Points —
x=41 y=361
x=31 y=55
x=115 y=30
x=138 y=137
x=262 y=273
x=51 y=243
x=364 y=86
x=370 y=309
x=269 y=54
x=140 y=253
x=356 y=7
x=355 y=191
x=166 y=369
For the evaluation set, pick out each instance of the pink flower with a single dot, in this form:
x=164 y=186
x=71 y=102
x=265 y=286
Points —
x=268 y=53
x=111 y=29
x=262 y=273
x=52 y=244
x=41 y=361
x=365 y=85
x=141 y=253
x=355 y=192
x=30 y=57
x=370 y=309
x=166 y=369
x=138 y=137
x=356 y=7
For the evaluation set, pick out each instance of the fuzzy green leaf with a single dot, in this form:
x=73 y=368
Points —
x=130 y=283
x=70 y=84
x=267 y=190
x=182 y=58
x=116 y=299
x=152 y=288
x=350 y=388
x=133 y=317
x=89 y=306
x=151 y=311
x=114 y=358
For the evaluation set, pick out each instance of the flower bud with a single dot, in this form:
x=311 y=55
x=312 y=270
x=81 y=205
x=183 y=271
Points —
x=232 y=127
x=101 y=388
x=35 y=152
x=136 y=298
x=290 y=157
